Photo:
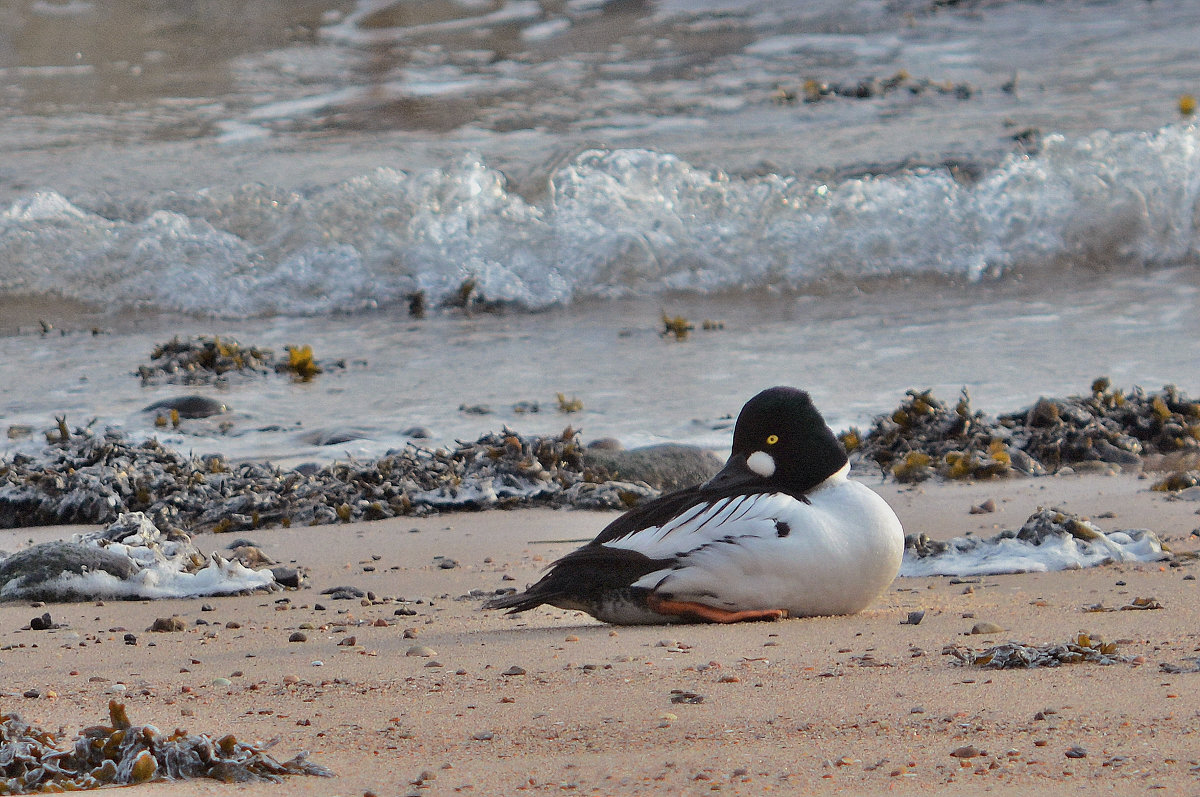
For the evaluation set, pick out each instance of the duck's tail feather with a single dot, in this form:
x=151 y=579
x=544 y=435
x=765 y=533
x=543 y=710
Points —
x=582 y=577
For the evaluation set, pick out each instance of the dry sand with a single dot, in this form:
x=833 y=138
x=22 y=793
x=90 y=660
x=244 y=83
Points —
x=858 y=705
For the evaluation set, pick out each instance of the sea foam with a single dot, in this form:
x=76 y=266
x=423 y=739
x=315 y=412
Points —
x=613 y=223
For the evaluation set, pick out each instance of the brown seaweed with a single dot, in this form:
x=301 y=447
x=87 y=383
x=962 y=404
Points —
x=121 y=753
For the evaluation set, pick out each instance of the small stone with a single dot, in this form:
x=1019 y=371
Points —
x=298 y=636
x=986 y=507
x=1076 y=752
x=483 y=736
x=967 y=751
x=686 y=698
x=445 y=563
x=986 y=628
x=514 y=670
x=41 y=623
x=288 y=577
x=32 y=693
x=168 y=624
x=290 y=680
x=914 y=618
x=348 y=642
x=420 y=650
x=222 y=682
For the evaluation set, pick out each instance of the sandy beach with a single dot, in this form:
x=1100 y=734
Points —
x=419 y=691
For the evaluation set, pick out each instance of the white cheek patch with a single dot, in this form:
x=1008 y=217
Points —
x=761 y=463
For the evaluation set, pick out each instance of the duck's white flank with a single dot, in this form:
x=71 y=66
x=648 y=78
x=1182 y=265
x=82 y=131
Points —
x=831 y=554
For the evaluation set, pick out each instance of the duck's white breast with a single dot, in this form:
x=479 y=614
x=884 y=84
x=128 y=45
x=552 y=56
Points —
x=832 y=555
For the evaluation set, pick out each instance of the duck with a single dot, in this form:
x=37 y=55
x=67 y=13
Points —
x=780 y=531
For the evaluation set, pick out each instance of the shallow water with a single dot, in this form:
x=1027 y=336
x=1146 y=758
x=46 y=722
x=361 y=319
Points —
x=856 y=351
x=292 y=172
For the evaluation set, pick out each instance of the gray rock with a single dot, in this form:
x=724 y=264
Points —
x=668 y=466
x=189 y=406
x=30 y=574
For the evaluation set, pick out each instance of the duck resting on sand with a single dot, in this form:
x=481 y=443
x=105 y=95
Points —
x=779 y=531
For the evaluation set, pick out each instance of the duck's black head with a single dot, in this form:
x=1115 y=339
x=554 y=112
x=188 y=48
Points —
x=781 y=442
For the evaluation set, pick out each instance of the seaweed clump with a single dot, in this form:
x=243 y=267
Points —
x=93 y=478
x=923 y=437
x=122 y=753
x=203 y=360
x=1015 y=655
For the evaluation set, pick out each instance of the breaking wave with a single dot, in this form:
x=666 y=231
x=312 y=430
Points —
x=613 y=224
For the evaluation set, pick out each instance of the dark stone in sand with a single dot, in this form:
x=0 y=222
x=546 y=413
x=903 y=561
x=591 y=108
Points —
x=41 y=623
x=417 y=433
x=168 y=624
x=241 y=542
x=343 y=593
x=26 y=575
x=669 y=466
x=288 y=577
x=189 y=406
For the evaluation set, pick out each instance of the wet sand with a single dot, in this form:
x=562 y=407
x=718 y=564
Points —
x=552 y=701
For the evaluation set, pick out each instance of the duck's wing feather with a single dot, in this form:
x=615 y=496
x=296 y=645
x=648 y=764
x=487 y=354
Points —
x=720 y=520
x=653 y=537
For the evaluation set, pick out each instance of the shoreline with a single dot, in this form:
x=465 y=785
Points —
x=807 y=705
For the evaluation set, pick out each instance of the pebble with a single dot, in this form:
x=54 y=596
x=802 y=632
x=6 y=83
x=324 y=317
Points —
x=298 y=636
x=168 y=624
x=483 y=736
x=344 y=593
x=514 y=670
x=967 y=751
x=41 y=623
x=986 y=628
x=420 y=650
x=1076 y=752
x=222 y=682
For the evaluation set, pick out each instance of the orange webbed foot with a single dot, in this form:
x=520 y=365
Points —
x=710 y=614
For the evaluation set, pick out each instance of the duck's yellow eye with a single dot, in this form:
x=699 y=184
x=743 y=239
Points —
x=772 y=439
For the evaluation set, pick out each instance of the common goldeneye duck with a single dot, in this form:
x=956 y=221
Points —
x=779 y=531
